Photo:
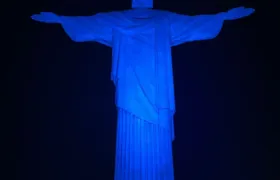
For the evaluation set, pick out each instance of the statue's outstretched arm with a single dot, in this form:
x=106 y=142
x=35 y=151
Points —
x=83 y=28
x=202 y=27
x=237 y=13
x=46 y=17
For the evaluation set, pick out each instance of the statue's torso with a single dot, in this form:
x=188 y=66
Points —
x=139 y=60
x=137 y=35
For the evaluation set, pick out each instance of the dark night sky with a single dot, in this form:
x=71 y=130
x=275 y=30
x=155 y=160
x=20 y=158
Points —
x=66 y=123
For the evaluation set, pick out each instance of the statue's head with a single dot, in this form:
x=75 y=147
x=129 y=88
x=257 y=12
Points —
x=138 y=4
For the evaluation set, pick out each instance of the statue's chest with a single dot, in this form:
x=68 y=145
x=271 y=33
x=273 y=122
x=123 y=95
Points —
x=140 y=34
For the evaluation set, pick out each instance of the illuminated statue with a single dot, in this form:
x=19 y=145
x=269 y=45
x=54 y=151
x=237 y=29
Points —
x=141 y=39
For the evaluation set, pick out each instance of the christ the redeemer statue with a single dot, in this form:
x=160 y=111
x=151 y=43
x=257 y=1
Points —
x=141 y=39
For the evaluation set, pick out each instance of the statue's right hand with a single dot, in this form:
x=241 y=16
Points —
x=46 y=17
x=239 y=12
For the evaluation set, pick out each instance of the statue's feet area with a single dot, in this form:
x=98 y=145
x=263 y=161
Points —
x=143 y=151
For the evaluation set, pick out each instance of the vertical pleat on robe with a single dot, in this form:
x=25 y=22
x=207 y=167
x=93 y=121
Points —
x=143 y=151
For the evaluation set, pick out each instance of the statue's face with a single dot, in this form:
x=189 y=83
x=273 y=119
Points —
x=142 y=4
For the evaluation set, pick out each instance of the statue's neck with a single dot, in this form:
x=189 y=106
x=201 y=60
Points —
x=141 y=12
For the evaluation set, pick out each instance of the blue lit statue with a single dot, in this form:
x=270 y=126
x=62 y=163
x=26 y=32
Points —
x=141 y=39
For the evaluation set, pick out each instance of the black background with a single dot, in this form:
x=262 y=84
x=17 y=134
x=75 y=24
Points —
x=63 y=99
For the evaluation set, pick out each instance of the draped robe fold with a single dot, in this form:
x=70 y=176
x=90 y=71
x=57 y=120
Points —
x=141 y=62
x=143 y=77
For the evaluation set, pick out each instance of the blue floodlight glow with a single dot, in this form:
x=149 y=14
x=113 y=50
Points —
x=141 y=40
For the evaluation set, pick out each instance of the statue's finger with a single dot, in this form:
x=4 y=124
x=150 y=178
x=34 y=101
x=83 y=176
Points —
x=34 y=17
x=251 y=10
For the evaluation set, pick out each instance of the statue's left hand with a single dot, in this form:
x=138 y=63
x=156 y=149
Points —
x=46 y=17
x=237 y=13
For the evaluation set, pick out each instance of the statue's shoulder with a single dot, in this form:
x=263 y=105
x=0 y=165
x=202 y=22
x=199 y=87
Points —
x=131 y=12
x=148 y=12
x=110 y=14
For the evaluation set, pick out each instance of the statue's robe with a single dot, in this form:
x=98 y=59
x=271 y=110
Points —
x=142 y=74
x=142 y=64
